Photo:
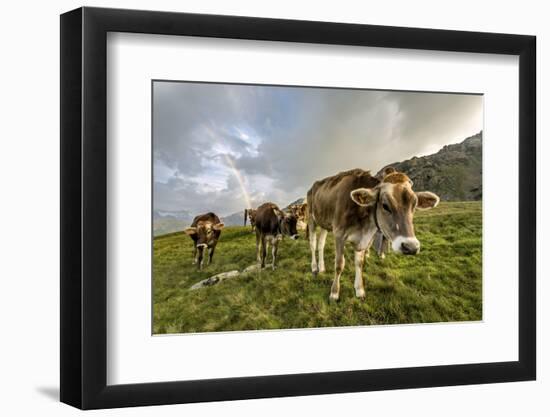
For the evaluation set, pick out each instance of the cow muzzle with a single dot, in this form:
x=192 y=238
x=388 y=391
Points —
x=202 y=245
x=406 y=245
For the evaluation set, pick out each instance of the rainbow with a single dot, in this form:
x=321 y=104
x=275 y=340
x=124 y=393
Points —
x=240 y=180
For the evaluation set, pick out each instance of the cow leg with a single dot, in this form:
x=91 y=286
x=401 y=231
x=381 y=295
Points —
x=340 y=262
x=274 y=248
x=264 y=252
x=267 y=245
x=321 y=248
x=194 y=254
x=200 y=257
x=258 y=238
x=313 y=247
x=359 y=261
x=211 y=254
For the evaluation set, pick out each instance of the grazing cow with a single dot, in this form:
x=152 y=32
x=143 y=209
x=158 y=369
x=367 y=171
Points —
x=271 y=224
x=299 y=211
x=205 y=232
x=251 y=215
x=355 y=205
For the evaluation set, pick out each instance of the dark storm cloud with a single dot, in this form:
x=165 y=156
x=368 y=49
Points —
x=221 y=147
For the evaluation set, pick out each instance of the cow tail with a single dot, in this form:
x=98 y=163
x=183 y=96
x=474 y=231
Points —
x=245 y=213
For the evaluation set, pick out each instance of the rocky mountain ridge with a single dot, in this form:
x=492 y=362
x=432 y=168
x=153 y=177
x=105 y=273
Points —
x=454 y=173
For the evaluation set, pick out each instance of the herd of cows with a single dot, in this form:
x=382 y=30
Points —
x=354 y=205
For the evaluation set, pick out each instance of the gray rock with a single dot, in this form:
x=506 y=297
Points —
x=215 y=279
x=251 y=268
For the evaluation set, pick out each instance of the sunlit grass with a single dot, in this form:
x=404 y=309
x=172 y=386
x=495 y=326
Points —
x=442 y=283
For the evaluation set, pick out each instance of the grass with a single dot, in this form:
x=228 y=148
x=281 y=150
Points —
x=442 y=283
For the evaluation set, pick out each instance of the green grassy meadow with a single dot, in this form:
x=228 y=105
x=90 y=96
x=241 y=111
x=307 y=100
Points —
x=442 y=283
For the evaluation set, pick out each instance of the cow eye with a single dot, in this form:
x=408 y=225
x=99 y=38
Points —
x=386 y=208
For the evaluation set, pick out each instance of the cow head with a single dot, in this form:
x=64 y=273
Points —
x=394 y=203
x=299 y=211
x=288 y=223
x=250 y=214
x=204 y=233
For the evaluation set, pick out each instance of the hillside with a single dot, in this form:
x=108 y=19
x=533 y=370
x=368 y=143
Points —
x=170 y=221
x=454 y=173
x=235 y=219
x=441 y=284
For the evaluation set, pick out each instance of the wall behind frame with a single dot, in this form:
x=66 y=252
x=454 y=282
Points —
x=29 y=168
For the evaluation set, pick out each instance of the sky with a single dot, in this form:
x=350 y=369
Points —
x=227 y=147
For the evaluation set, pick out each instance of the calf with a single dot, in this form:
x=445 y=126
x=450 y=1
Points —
x=271 y=225
x=205 y=232
x=355 y=206
x=251 y=215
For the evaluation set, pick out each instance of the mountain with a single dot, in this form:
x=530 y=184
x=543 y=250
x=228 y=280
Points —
x=453 y=173
x=182 y=215
x=175 y=221
x=170 y=221
x=297 y=201
x=235 y=219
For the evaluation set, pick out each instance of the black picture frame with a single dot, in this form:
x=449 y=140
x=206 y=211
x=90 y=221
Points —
x=84 y=207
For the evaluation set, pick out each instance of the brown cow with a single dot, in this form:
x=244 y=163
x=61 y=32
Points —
x=355 y=205
x=299 y=211
x=205 y=232
x=251 y=215
x=271 y=224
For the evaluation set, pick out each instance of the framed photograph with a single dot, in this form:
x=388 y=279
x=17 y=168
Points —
x=257 y=208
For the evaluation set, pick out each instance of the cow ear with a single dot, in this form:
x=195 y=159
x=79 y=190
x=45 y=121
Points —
x=190 y=231
x=389 y=170
x=426 y=200
x=218 y=226
x=364 y=196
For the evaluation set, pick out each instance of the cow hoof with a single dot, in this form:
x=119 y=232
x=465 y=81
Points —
x=333 y=298
x=322 y=270
x=360 y=294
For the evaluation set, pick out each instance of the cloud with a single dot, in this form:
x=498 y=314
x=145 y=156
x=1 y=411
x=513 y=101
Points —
x=217 y=145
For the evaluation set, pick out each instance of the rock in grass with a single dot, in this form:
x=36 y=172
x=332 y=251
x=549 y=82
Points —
x=215 y=279
x=251 y=268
